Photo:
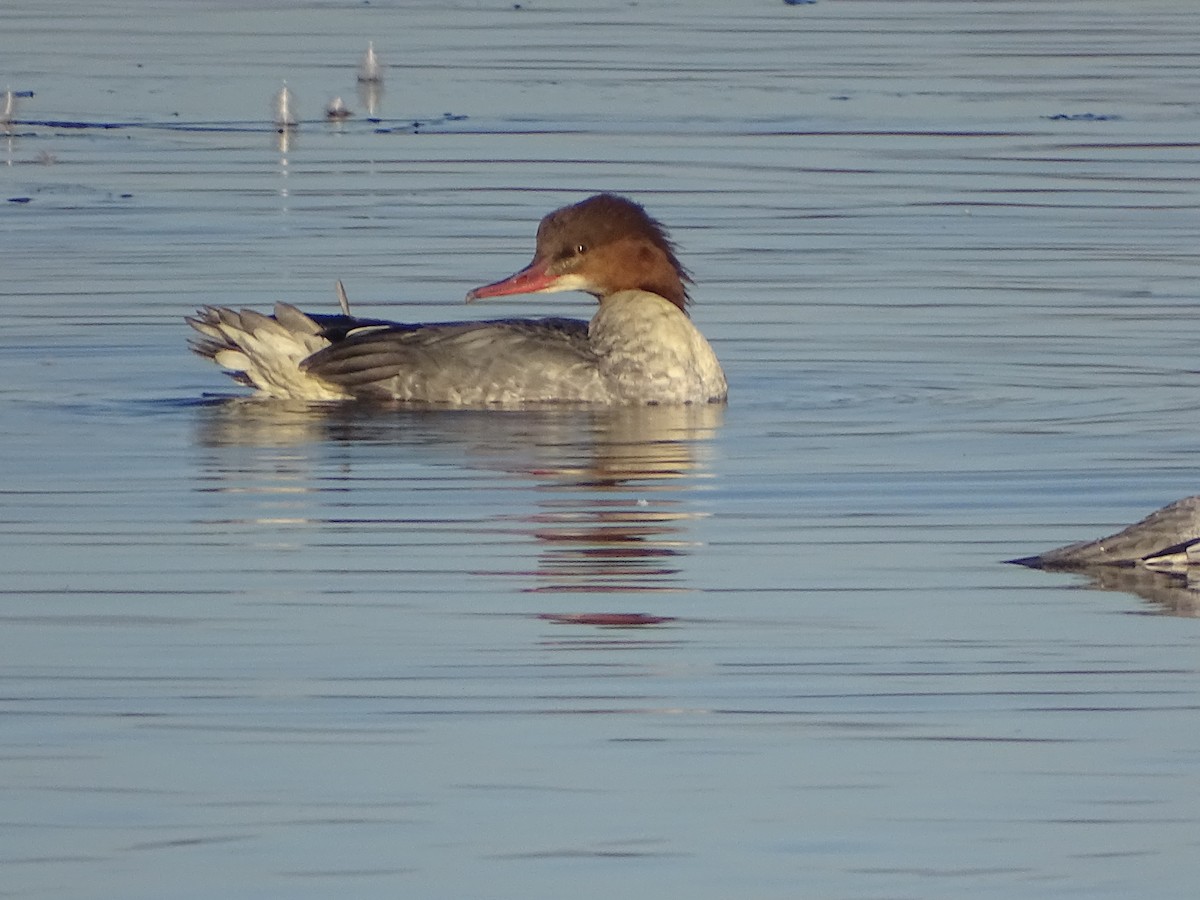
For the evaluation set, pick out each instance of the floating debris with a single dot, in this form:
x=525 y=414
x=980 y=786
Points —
x=336 y=110
x=606 y=620
x=417 y=124
x=1083 y=117
x=284 y=105
x=370 y=70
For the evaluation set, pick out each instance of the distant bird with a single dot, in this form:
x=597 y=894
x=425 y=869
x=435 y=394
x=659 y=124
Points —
x=8 y=111
x=370 y=70
x=1166 y=540
x=337 y=109
x=285 y=104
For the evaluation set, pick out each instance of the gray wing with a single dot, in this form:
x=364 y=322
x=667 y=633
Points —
x=1165 y=539
x=507 y=360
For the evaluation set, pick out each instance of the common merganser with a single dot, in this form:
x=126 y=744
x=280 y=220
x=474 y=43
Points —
x=640 y=347
x=1167 y=539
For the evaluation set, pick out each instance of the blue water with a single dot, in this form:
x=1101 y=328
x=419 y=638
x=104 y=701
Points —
x=946 y=252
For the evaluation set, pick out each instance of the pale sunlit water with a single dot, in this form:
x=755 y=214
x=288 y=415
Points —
x=947 y=252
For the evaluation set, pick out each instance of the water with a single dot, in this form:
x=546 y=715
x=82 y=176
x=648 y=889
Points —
x=947 y=253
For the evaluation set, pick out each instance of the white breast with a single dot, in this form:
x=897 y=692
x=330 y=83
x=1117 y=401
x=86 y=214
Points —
x=651 y=352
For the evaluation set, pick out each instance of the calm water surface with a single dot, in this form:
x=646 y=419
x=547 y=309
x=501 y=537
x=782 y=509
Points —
x=947 y=252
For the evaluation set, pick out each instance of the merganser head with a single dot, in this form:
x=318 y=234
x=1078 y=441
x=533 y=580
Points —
x=602 y=245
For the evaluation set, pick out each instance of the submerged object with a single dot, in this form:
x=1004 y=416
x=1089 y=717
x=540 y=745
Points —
x=284 y=106
x=1166 y=540
x=640 y=346
x=370 y=70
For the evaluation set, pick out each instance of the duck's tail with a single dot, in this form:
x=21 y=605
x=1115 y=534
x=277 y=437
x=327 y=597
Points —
x=264 y=352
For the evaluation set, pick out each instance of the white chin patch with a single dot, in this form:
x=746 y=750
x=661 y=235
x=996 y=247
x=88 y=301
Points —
x=567 y=283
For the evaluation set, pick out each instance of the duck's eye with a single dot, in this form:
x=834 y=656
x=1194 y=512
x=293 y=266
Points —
x=580 y=249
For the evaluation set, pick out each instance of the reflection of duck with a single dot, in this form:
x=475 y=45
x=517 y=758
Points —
x=370 y=95
x=1174 y=593
x=628 y=530
x=640 y=347
x=1157 y=558
x=614 y=505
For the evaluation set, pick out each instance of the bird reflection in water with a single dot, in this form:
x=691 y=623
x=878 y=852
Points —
x=370 y=97
x=621 y=522
x=613 y=489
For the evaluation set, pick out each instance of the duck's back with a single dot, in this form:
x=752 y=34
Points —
x=507 y=361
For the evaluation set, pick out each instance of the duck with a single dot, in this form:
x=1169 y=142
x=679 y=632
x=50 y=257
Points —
x=284 y=108
x=1166 y=540
x=640 y=346
x=336 y=110
x=8 y=107
x=370 y=70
